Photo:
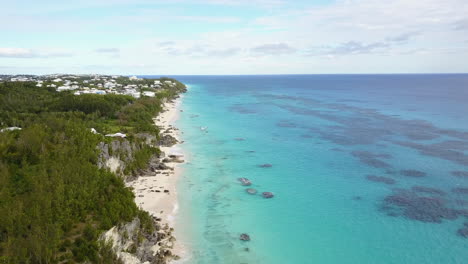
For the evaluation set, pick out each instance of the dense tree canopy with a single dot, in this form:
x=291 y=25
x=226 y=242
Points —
x=54 y=200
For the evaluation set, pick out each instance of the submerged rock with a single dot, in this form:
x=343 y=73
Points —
x=460 y=190
x=244 y=237
x=413 y=173
x=460 y=174
x=424 y=209
x=267 y=195
x=251 y=191
x=423 y=189
x=381 y=179
x=245 y=181
x=463 y=232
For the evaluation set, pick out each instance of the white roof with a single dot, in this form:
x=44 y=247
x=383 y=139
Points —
x=116 y=135
x=10 y=129
x=149 y=94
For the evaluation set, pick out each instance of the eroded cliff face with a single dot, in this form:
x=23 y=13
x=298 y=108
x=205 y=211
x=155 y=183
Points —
x=120 y=153
x=116 y=154
x=132 y=243
x=135 y=245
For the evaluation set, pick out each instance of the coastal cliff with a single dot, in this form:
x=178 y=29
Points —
x=64 y=172
x=132 y=242
x=130 y=159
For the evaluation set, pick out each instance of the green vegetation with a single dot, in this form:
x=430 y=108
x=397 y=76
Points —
x=54 y=200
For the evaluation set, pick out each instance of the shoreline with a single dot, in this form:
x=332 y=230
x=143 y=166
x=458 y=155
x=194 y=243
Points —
x=158 y=194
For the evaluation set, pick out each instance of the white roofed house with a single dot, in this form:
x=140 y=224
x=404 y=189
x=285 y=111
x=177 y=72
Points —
x=63 y=88
x=136 y=94
x=133 y=92
x=149 y=94
x=19 y=79
x=99 y=92
x=109 y=85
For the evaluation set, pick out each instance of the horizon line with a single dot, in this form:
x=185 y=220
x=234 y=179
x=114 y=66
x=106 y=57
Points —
x=261 y=74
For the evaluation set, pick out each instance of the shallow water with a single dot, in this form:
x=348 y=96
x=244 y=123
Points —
x=362 y=168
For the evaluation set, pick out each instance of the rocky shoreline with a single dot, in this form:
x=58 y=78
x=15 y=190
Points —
x=155 y=192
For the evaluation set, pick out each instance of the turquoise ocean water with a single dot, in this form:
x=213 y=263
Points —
x=365 y=168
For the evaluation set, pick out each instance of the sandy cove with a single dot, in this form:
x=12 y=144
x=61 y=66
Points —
x=163 y=204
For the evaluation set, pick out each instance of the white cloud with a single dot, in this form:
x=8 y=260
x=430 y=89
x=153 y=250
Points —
x=107 y=50
x=29 y=53
x=273 y=49
x=360 y=35
x=16 y=53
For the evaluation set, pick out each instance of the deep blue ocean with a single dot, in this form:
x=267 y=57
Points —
x=364 y=169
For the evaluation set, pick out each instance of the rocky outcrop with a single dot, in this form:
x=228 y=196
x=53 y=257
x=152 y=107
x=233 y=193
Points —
x=134 y=245
x=116 y=154
x=147 y=138
x=173 y=159
x=167 y=140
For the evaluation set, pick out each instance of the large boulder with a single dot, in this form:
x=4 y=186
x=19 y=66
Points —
x=167 y=141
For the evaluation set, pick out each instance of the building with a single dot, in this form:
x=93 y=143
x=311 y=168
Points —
x=149 y=94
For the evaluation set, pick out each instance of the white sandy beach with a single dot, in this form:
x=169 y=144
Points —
x=163 y=204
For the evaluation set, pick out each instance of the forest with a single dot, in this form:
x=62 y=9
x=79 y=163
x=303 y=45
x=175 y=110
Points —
x=54 y=200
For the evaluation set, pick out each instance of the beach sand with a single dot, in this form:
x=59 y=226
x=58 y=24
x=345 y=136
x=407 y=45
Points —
x=163 y=204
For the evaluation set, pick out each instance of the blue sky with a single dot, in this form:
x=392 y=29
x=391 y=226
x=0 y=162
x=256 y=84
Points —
x=233 y=36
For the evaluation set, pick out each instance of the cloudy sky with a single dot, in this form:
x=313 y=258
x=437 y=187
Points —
x=233 y=36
